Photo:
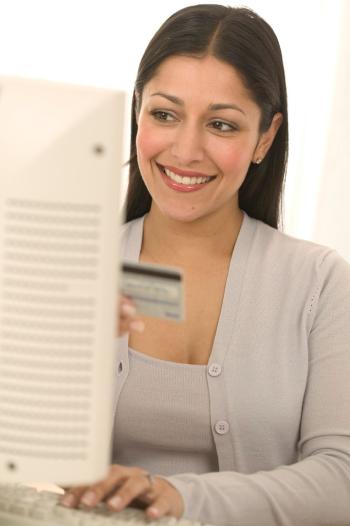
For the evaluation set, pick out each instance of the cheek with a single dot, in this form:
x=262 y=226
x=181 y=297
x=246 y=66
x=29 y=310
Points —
x=234 y=158
x=148 y=142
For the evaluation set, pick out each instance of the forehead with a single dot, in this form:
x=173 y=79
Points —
x=207 y=79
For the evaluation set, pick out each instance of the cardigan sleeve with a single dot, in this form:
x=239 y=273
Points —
x=315 y=491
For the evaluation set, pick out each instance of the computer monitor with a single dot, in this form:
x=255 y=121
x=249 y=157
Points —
x=60 y=170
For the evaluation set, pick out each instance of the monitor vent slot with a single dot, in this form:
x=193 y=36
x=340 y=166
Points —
x=48 y=316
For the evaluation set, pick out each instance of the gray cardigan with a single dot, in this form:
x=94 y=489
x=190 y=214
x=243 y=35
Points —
x=279 y=385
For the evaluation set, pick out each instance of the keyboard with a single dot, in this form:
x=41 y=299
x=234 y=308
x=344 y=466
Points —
x=25 y=506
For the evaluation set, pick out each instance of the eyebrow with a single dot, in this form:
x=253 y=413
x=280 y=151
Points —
x=212 y=107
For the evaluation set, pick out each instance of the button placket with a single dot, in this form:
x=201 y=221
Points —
x=215 y=369
x=222 y=427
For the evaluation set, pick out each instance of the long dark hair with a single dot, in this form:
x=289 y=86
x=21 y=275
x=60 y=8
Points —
x=239 y=37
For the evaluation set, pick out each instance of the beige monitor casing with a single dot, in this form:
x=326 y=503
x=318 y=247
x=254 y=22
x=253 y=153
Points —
x=60 y=170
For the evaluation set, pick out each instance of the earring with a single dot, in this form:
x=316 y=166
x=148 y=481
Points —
x=258 y=160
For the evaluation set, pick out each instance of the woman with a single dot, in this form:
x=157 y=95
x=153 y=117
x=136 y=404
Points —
x=242 y=411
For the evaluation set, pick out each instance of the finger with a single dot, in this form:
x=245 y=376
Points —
x=128 y=321
x=72 y=496
x=161 y=506
x=123 y=327
x=127 y=310
x=99 y=491
x=147 y=497
x=129 y=491
x=137 y=325
x=130 y=325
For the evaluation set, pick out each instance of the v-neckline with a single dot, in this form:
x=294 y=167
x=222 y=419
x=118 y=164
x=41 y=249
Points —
x=234 y=281
x=233 y=290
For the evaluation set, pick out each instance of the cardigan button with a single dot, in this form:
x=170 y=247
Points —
x=222 y=427
x=215 y=369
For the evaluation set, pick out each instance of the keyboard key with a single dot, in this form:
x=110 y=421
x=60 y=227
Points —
x=24 y=506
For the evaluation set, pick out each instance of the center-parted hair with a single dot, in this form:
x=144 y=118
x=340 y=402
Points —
x=241 y=38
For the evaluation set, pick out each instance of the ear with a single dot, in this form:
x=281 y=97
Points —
x=266 y=139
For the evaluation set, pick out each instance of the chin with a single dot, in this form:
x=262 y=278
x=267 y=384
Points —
x=183 y=216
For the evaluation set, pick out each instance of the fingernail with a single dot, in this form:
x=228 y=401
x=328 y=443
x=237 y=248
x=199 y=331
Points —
x=137 y=326
x=89 y=498
x=153 y=512
x=127 y=309
x=115 y=502
x=68 y=500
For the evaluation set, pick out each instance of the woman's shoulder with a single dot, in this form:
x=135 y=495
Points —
x=280 y=249
x=131 y=238
x=128 y=227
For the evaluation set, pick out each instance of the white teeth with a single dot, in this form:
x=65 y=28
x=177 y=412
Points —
x=185 y=180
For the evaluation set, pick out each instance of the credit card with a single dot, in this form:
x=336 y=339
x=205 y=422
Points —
x=155 y=290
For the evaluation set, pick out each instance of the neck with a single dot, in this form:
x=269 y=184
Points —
x=169 y=241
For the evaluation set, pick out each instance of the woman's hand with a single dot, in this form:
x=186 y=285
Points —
x=124 y=485
x=128 y=320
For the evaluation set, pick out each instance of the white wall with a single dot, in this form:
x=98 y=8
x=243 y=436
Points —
x=100 y=42
x=332 y=217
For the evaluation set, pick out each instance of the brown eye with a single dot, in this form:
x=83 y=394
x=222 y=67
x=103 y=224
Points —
x=223 y=126
x=161 y=115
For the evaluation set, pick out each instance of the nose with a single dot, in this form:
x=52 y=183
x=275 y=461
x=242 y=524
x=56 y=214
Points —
x=188 y=146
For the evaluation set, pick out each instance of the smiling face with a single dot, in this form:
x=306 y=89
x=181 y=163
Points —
x=198 y=132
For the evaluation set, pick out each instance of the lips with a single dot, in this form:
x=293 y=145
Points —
x=183 y=183
x=184 y=173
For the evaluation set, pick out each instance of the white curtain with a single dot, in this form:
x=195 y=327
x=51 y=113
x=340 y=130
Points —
x=332 y=214
x=318 y=189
